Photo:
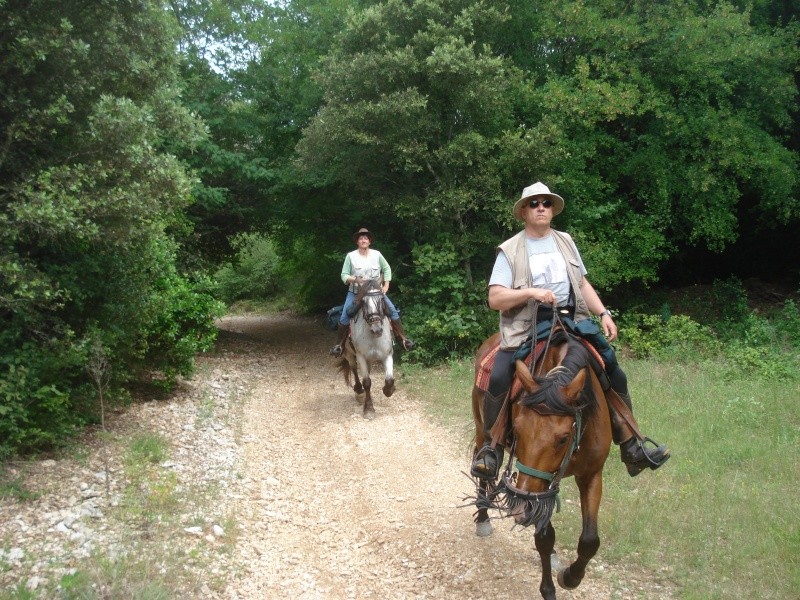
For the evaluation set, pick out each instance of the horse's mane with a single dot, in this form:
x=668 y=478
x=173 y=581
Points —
x=548 y=393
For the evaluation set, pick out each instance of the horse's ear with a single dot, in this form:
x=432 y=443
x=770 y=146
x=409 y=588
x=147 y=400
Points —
x=573 y=389
x=525 y=377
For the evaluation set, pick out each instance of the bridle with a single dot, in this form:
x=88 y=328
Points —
x=372 y=304
x=541 y=504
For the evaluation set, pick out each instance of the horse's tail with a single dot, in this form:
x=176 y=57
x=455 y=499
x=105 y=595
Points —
x=344 y=367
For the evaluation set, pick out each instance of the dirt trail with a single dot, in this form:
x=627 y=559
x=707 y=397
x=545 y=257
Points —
x=287 y=492
x=342 y=507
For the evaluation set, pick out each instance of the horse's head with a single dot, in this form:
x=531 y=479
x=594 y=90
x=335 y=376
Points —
x=372 y=307
x=546 y=422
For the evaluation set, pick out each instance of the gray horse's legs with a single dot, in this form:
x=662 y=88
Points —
x=388 y=368
x=369 y=409
x=366 y=381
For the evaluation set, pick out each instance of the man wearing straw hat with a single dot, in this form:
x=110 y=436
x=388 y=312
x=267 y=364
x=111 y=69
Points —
x=543 y=265
x=366 y=263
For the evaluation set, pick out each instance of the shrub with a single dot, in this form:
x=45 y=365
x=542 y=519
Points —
x=35 y=410
x=766 y=362
x=252 y=273
x=449 y=317
x=181 y=326
x=787 y=325
x=677 y=337
x=729 y=300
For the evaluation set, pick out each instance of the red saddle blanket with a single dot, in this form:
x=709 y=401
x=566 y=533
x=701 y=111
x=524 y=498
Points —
x=485 y=369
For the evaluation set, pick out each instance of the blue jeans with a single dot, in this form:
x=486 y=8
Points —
x=344 y=319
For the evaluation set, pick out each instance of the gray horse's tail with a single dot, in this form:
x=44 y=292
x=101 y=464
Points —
x=344 y=368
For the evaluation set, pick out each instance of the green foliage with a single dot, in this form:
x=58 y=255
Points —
x=36 y=410
x=787 y=324
x=647 y=118
x=766 y=346
x=253 y=274
x=449 y=312
x=91 y=198
x=729 y=300
x=678 y=337
x=182 y=326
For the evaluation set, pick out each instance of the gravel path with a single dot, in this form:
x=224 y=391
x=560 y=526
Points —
x=326 y=504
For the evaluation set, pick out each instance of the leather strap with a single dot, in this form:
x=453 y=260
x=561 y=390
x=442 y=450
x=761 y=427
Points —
x=619 y=406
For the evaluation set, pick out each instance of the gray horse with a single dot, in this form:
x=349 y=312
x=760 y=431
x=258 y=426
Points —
x=370 y=343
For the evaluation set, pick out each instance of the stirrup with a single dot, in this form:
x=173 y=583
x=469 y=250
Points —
x=408 y=344
x=486 y=463
x=645 y=459
x=336 y=351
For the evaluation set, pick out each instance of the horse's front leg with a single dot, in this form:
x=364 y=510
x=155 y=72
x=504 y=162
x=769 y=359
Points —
x=369 y=409
x=591 y=489
x=545 y=541
x=366 y=381
x=388 y=380
x=483 y=526
x=358 y=388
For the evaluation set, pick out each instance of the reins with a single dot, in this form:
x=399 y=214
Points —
x=541 y=503
x=498 y=429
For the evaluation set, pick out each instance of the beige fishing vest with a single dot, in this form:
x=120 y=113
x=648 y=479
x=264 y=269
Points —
x=515 y=324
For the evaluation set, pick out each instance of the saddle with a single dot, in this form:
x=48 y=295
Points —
x=527 y=353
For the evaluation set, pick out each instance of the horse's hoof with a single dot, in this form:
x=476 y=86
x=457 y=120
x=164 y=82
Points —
x=563 y=583
x=388 y=390
x=369 y=415
x=483 y=529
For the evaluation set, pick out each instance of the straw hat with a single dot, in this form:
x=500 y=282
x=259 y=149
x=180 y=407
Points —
x=537 y=189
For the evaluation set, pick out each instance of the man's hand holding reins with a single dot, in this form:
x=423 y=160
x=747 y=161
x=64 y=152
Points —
x=503 y=298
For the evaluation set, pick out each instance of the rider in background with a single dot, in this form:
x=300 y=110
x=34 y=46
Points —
x=366 y=263
x=543 y=265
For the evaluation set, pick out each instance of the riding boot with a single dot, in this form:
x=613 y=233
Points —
x=406 y=342
x=633 y=452
x=342 y=331
x=487 y=460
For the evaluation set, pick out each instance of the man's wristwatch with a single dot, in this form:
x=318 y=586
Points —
x=604 y=313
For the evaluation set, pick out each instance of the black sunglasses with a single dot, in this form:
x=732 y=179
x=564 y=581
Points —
x=547 y=203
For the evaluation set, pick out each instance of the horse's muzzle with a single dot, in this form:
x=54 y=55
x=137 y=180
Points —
x=530 y=508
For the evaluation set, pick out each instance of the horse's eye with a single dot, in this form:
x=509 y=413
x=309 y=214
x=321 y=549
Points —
x=563 y=439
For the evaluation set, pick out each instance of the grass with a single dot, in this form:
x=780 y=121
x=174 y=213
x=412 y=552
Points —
x=719 y=520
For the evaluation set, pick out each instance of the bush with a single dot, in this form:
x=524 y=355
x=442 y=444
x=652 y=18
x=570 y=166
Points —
x=182 y=325
x=729 y=300
x=787 y=326
x=252 y=274
x=767 y=347
x=450 y=318
x=756 y=345
x=36 y=410
x=765 y=362
x=676 y=337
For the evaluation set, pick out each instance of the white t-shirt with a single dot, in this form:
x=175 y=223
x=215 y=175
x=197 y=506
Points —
x=548 y=269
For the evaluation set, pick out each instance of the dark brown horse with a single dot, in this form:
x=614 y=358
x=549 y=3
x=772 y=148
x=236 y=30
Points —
x=559 y=427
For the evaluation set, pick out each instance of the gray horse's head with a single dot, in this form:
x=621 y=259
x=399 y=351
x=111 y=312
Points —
x=373 y=313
